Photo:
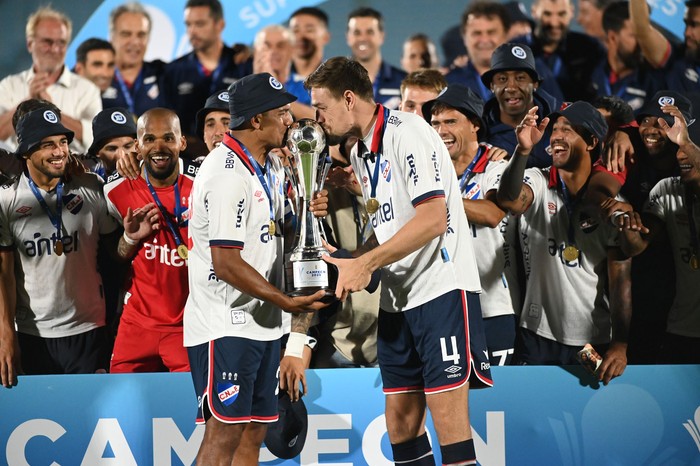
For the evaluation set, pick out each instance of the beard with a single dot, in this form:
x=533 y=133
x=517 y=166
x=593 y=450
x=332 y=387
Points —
x=692 y=52
x=631 y=60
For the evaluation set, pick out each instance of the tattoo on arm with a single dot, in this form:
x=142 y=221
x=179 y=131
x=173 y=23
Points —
x=301 y=322
x=125 y=250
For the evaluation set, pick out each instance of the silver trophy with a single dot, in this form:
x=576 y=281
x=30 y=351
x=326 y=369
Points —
x=306 y=272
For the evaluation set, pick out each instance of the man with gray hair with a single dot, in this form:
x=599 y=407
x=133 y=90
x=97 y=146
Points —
x=48 y=32
x=136 y=82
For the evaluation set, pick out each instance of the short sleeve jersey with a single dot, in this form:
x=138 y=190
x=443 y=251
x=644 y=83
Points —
x=668 y=201
x=57 y=295
x=493 y=247
x=414 y=167
x=231 y=209
x=157 y=288
x=564 y=301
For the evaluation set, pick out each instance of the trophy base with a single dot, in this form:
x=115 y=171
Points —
x=324 y=276
x=328 y=298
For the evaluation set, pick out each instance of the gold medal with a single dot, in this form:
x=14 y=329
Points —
x=372 y=206
x=694 y=262
x=58 y=248
x=272 y=228
x=570 y=253
x=182 y=251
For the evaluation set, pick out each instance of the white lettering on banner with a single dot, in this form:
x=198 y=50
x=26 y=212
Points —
x=108 y=431
x=250 y=15
x=170 y=438
x=18 y=439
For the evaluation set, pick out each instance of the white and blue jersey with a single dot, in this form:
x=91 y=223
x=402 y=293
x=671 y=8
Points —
x=668 y=201
x=414 y=166
x=565 y=301
x=57 y=295
x=230 y=208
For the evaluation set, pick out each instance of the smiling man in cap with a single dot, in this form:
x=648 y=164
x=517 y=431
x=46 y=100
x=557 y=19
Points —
x=213 y=120
x=515 y=83
x=114 y=136
x=235 y=268
x=566 y=298
x=51 y=225
x=456 y=115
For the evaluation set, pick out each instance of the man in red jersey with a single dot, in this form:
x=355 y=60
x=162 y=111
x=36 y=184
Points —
x=149 y=338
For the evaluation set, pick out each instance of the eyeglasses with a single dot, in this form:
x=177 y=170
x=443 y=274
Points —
x=47 y=44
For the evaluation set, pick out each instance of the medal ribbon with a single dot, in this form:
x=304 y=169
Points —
x=56 y=220
x=213 y=86
x=377 y=148
x=166 y=215
x=464 y=179
x=570 y=206
x=258 y=171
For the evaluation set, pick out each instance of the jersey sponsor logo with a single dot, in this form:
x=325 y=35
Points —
x=412 y=171
x=227 y=392
x=74 y=203
x=239 y=213
x=212 y=274
x=386 y=170
x=557 y=251
x=185 y=88
x=692 y=75
x=230 y=160
x=40 y=246
x=24 y=211
x=449 y=230
x=265 y=236
x=191 y=169
x=436 y=166
x=113 y=177
x=384 y=214
x=163 y=254
x=551 y=208
x=393 y=120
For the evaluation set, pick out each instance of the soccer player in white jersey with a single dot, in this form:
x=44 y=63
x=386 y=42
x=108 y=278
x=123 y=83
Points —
x=674 y=209
x=430 y=342
x=456 y=116
x=50 y=227
x=232 y=321
x=570 y=257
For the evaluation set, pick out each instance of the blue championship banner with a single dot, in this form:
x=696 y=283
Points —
x=532 y=416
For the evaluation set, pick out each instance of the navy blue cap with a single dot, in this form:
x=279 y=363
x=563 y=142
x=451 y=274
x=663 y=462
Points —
x=111 y=123
x=585 y=115
x=652 y=107
x=253 y=94
x=286 y=438
x=217 y=102
x=36 y=125
x=511 y=57
x=461 y=98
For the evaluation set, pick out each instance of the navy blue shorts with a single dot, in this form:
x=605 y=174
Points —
x=500 y=338
x=84 y=353
x=236 y=379
x=435 y=347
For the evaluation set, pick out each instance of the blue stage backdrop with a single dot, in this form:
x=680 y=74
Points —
x=533 y=416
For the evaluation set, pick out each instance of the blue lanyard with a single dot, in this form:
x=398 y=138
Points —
x=213 y=86
x=166 y=214
x=570 y=206
x=264 y=180
x=464 y=178
x=377 y=147
x=125 y=89
x=56 y=220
